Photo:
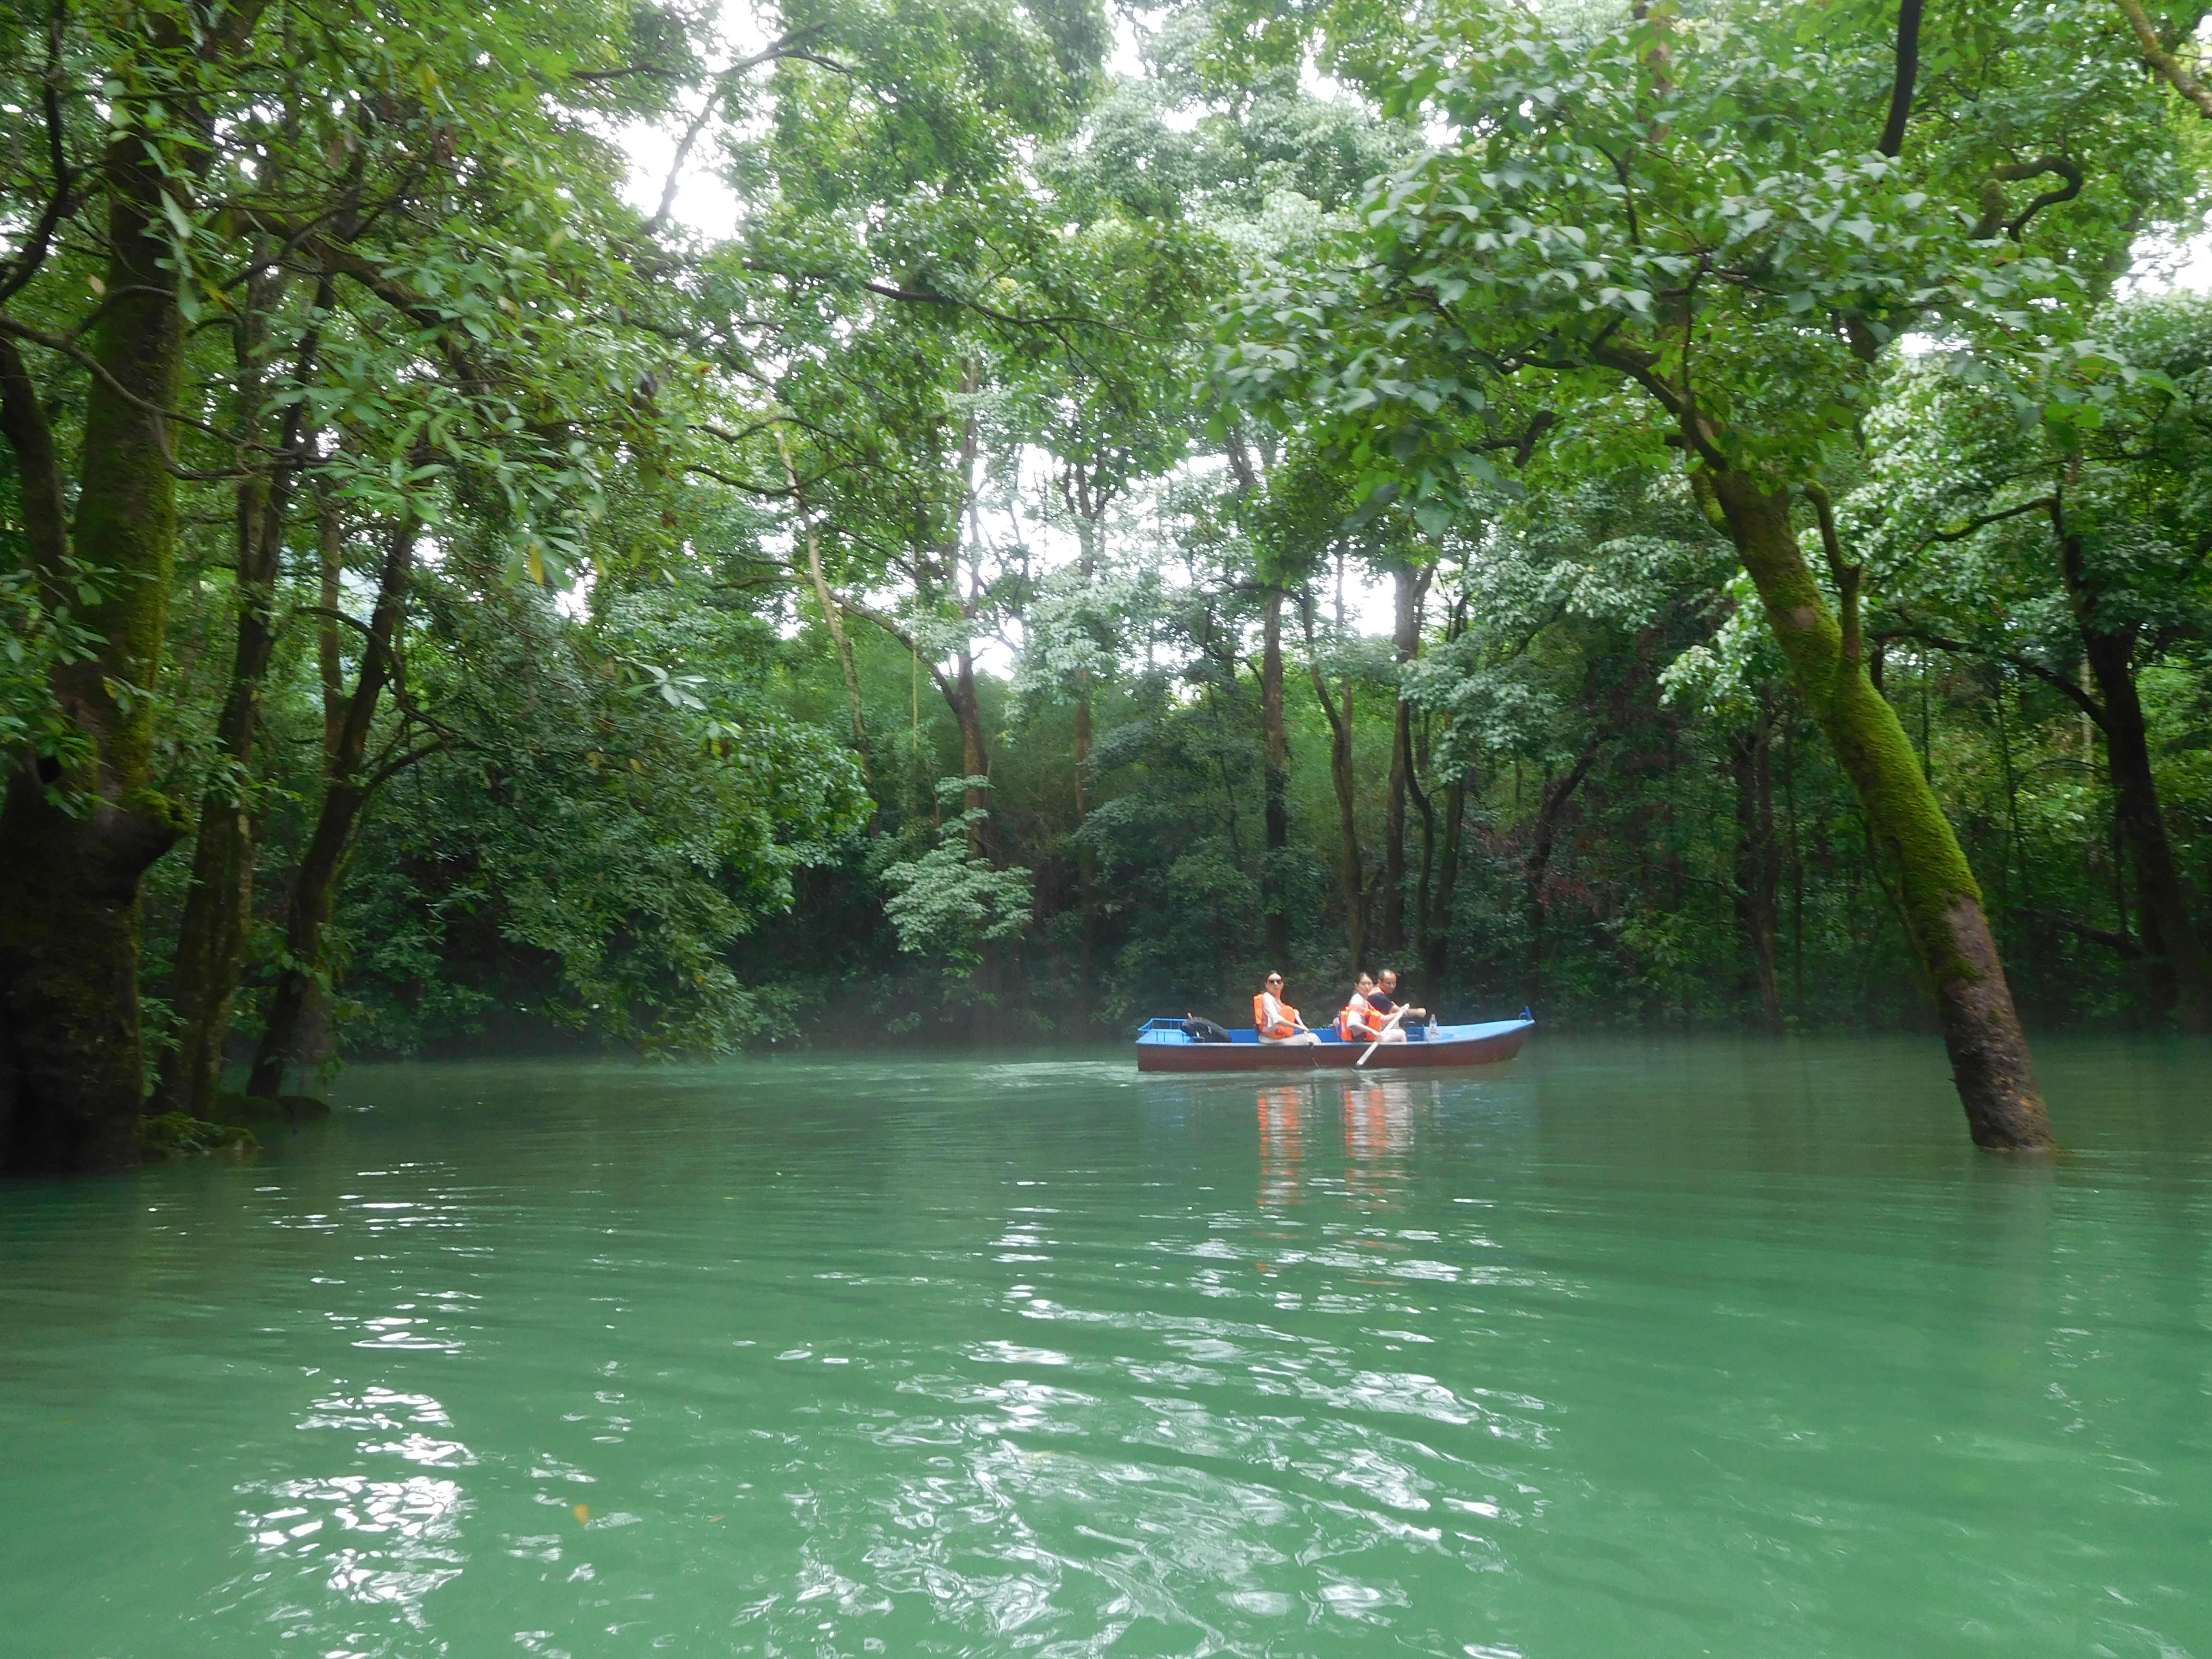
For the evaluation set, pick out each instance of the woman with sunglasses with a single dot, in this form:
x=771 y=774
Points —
x=1274 y=1019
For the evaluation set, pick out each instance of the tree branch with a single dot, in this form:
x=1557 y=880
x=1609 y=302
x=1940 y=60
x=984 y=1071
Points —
x=69 y=349
x=786 y=46
x=45 y=511
x=2104 y=936
x=2163 y=61
x=26 y=264
x=2041 y=503
x=1846 y=574
x=1993 y=198
x=2073 y=693
x=1891 y=142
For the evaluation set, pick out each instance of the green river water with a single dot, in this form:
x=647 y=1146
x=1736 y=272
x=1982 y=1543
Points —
x=1623 y=1351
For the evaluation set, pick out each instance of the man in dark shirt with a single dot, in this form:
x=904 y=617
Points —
x=1383 y=1000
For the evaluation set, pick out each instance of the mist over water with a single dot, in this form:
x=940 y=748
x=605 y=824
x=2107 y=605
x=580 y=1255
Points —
x=1626 y=1349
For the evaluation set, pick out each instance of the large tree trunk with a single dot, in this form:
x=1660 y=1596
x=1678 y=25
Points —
x=2169 y=929
x=68 y=905
x=345 y=791
x=1409 y=586
x=1758 y=873
x=1939 y=902
x=1275 y=769
x=219 y=905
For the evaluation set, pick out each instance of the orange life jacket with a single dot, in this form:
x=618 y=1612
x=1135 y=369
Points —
x=1358 y=1023
x=1287 y=1026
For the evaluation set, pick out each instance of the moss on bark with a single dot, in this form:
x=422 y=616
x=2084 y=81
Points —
x=1938 y=899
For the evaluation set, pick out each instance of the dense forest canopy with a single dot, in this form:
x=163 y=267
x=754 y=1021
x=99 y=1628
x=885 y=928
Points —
x=1680 y=514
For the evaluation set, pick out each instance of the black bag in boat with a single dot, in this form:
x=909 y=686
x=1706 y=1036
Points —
x=1204 y=1030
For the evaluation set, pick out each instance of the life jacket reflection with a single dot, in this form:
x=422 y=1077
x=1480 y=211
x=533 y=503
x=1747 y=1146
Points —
x=1378 y=1134
x=1280 y=1146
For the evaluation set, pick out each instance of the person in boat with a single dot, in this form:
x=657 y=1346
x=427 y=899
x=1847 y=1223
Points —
x=1360 y=1021
x=1384 y=1001
x=1274 y=1019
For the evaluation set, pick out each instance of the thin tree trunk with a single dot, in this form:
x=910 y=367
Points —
x=1087 y=856
x=211 y=938
x=828 y=601
x=345 y=790
x=1939 y=902
x=1276 y=781
x=1796 y=867
x=69 y=1041
x=330 y=663
x=1543 y=843
x=2169 y=930
x=1089 y=528
x=1409 y=586
x=1352 y=866
x=1435 y=945
x=974 y=754
x=1750 y=763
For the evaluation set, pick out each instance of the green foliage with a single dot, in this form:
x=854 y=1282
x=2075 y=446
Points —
x=948 y=903
x=1065 y=378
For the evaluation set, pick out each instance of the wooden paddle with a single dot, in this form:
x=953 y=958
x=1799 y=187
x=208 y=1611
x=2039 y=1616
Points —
x=1396 y=1014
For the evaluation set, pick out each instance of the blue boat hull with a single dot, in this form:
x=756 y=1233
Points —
x=1162 y=1046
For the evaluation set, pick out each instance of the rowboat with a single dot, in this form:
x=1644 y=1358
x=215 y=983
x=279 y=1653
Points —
x=1163 y=1045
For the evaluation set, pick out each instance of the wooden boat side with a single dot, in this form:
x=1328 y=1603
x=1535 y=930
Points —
x=1485 y=1045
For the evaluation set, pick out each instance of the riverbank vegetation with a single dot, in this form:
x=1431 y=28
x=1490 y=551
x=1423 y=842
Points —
x=1685 y=515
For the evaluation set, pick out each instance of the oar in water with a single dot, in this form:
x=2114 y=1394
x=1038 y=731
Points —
x=1397 y=1014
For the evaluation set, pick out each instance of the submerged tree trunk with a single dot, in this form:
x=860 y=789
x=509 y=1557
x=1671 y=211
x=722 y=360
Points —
x=1409 y=586
x=1940 y=904
x=345 y=790
x=2169 y=929
x=74 y=839
x=1275 y=769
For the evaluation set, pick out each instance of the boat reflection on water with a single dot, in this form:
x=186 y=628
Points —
x=1378 y=1132
x=1378 y=1118
x=1281 y=1147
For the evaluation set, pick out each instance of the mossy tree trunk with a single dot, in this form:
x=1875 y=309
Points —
x=78 y=829
x=1939 y=902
